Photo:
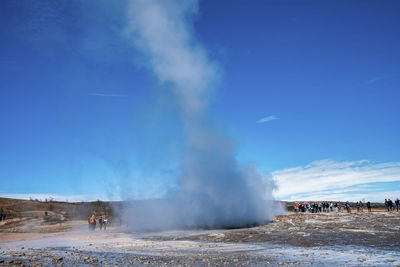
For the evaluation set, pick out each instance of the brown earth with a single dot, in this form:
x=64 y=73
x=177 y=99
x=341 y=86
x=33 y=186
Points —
x=29 y=238
x=370 y=229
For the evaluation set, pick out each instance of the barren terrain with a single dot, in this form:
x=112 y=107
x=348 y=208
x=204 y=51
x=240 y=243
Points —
x=322 y=239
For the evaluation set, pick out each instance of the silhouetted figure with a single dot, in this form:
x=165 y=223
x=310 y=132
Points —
x=101 y=223
x=369 y=206
x=348 y=207
x=397 y=202
x=3 y=215
x=390 y=205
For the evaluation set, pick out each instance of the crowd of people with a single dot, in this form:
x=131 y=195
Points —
x=389 y=204
x=101 y=221
x=315 y=207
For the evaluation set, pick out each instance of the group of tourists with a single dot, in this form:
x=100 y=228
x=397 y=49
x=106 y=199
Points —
x=360 y=206
x=315 y=207
x=389 y=204
x=318 y=207
x=93 y=222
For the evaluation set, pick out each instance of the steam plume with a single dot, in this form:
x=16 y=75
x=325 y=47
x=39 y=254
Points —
x=214 y=189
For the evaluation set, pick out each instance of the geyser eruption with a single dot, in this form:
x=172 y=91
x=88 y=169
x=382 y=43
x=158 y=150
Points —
x=214 y=189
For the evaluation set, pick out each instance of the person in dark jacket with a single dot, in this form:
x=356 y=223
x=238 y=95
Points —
x=390 y=205
x=101 y=223
x=348 y=207
x=369 y=206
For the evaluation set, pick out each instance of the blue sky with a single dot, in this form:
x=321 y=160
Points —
x=81 y=116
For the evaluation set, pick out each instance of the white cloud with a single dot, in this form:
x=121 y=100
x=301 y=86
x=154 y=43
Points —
x=267 y=119
x=333 y=180
x=347 y=196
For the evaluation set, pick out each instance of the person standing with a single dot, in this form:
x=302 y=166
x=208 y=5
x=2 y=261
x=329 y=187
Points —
x=92 y=222
x=397 y=202
x=105 y=224
x=390 y=204
x=3 y=214
x=101 y=223
x=369 y=206
x=348 y=207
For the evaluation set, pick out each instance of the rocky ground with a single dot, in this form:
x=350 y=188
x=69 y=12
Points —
x=325 y=239
x=378 y=229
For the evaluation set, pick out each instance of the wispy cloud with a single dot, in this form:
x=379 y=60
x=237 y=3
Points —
x=267 y=119
x=373 y=80
x=333 y=180
x=106 y=95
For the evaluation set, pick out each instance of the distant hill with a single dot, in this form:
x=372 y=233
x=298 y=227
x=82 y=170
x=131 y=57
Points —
x=17 y=208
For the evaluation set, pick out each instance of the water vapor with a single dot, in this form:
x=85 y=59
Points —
x=214 y=189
